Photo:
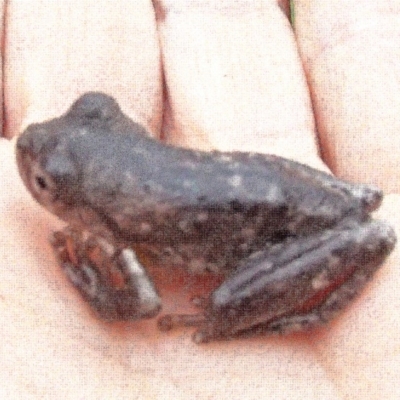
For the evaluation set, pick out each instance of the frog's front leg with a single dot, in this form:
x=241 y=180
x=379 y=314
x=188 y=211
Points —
x=113 y=281
x=295 y=285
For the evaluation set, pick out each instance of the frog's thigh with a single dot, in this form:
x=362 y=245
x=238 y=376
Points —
x=298 y=284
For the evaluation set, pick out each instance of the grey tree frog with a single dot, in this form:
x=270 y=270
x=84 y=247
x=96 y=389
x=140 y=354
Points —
x=294 y=244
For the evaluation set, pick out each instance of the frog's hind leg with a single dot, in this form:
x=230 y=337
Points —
x=295 y=285
x=112 y=281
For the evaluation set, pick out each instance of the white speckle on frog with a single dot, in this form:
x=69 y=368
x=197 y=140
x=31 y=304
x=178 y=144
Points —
x=235 y=180
x=275 y=195
x=202 y=217
x=187 y=183
x=145 y=227
x=225 y=158
x=248 y=233
x=184 y=225
x=197 y=265
x=320 y=281
x=81 y=131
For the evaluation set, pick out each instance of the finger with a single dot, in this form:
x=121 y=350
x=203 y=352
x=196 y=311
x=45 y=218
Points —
x=349 y=52
x=55 y=51
x=233 y=78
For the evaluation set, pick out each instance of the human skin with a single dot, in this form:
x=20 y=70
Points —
x=234 y=80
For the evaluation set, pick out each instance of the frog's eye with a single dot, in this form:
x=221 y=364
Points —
x=41 y=182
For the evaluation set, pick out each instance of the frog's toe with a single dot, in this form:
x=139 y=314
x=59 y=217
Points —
x=112 y=281
x=171 y=321
x=85 y=278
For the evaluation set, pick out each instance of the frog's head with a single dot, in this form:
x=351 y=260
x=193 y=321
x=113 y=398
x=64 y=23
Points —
x=66 y=161
x=47 y=157
x=48 y=168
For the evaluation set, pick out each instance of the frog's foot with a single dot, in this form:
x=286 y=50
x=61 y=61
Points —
x=112 y=281
x=292 y=286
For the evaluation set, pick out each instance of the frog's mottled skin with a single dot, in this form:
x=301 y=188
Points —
x=296 y=245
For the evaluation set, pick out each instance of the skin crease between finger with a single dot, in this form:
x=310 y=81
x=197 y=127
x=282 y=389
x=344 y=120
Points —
x=348 y=51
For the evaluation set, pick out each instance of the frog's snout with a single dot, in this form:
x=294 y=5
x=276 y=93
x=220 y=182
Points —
x=22 y=154
x=23 y=143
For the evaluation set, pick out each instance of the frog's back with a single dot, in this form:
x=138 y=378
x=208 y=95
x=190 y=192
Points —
x=175 y=187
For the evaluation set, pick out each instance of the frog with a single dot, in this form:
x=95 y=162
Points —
x=294 y=245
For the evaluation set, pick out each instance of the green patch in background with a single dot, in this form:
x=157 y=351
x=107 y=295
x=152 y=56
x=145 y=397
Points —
x=292 y=12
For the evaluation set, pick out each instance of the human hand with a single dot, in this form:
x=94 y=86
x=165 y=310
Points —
x=234 y=81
